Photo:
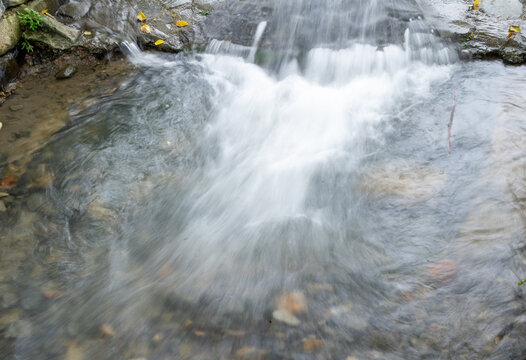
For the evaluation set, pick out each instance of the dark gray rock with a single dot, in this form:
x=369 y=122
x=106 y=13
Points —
x=8 y=69
x=66 y=72
x=74 y=9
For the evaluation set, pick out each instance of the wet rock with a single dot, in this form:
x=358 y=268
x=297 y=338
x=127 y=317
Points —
x=206 y=5
x=66 y=72
x=285 y=317
x=294 y=302
x=54 y=34
x=10 y=30
x=8 y=69
x=74 y=9
x=16 y=107
x=19 y=328
x=2 y=207
x=481 y=34
x=7 y=298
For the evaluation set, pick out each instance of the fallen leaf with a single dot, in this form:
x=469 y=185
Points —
x=181 y=23
x=1 y=125
x=10 y=180
x=146 y=28
x=174 y=15
x=476 y=4
x=3 y=194
x=87 y=33
x=107 y=330
x=159 y=42
x=43 y=12
x=141 y=17
x=514 y=30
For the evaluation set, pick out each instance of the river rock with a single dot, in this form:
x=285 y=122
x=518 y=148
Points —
x=74 y=9
x=2 y=8
x=66 y=72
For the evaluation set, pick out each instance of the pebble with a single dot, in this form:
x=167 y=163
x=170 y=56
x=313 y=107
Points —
x=294 y=302
x=285 y=317
x=312 y=345
x=66 y=72
x=16 y=107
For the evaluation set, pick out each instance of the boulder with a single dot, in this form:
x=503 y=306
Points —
x=10 y=30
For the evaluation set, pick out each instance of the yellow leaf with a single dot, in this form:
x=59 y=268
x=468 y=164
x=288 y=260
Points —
x=514 y=30
x=476 y=4
x=174 y=15
x=43 y=12
x=141 y=17
x=159 y=42
x=181 y=23
x=146 y=28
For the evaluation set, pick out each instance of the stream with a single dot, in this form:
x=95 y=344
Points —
x=289 y=198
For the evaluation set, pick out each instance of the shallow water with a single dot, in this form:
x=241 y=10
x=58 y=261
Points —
x=300 y=207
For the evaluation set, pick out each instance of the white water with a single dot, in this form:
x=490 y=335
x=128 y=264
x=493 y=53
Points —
x=269 y=137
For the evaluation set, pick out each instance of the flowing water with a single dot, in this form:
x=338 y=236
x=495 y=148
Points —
x=289 y=198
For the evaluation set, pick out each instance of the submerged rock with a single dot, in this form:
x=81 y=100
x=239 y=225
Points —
x=402 y=178
x=286 y=317
x=66 y=72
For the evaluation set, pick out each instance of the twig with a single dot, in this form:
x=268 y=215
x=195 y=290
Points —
x=450 y=124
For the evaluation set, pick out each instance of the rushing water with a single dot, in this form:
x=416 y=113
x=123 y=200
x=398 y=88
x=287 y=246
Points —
x=209 y=186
